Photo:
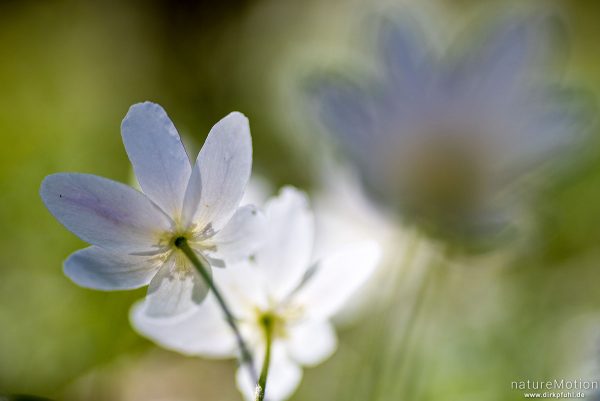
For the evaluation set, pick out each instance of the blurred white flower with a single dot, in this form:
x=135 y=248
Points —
x=133 y=234
x=280 y=284
x=344 y=213
x=444 y=140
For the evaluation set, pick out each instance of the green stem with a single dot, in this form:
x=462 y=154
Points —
x=261 y=387
x=404 y=381
x=201 y=267
x=387 y=322
x=414 y=313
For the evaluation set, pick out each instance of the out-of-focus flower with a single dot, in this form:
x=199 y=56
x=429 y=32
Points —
x=133 y=234
x=444 y=140
x=282 y=285
x=345 y=214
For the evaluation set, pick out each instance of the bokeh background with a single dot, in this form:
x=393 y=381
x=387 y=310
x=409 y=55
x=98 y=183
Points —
x=70 y=70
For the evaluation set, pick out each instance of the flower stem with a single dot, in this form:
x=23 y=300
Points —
x=406 y=377
x=383 y=358
x=261 y=387
x=201 y=267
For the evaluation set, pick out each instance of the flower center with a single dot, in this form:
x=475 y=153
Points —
x=198 y=239
x=439 y=177
x=278 y=320
x=273 y=322
x=179 y=240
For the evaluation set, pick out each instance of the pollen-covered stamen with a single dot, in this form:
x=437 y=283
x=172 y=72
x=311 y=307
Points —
x=175 y=238
x=180 y=244
x=199 y=240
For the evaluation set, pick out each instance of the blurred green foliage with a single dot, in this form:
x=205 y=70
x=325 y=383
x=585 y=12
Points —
x=70 y=70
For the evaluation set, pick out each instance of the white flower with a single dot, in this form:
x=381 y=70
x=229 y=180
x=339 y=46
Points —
x=133 y=233
x=444 y=140
x=281 y=283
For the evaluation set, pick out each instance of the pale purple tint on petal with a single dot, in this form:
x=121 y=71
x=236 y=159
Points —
x=175 y=290
x=99 y=269
x=105 y=213
x=241 y=237
x=159 y=160
x=220 y=174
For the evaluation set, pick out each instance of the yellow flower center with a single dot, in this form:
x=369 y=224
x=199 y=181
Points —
x=278 y=320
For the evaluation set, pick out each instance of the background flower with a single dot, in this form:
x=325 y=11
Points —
x=283 y=284
x=446 y=139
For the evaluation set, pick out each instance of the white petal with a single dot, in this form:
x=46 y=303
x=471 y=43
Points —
x=310 y=343
x=241 y=237
x=336 y=278
x=175 y=290
x=104 y=212
x=97 y=268
x=287 y=249
x=158 y=157
x=221 y=173
x=204 y=332
x=284 y=376
x=244 y=288
x=258 y=190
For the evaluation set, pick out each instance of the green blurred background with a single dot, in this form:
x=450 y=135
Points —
x=68 y=73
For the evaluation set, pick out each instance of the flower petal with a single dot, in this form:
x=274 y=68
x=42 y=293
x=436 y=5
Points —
x=286 y=255
x=406 y=54
x=241 y=237
x=336 y=278
x=556 y=121
x=99 y=269
x=346 y=111
x=244 y=288
x=220 y=175
x=104 y=212
x=158 y=157
x=203 y=332
x=350 y=114
x=515 y=49
x=310 y=343
x=284 y=376
x=175 y=290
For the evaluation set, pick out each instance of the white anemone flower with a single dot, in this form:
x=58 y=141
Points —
x=281 y=284
x=133 y=233
x=444 y=140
